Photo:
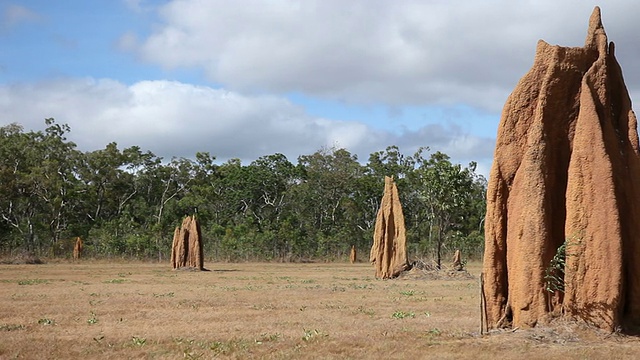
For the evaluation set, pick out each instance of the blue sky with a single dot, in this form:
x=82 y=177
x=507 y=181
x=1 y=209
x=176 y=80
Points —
x=242 y=79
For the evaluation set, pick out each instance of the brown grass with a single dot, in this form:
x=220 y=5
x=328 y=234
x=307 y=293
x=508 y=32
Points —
x=277 y=311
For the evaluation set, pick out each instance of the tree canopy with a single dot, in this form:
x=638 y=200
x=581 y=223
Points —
x=126 y=202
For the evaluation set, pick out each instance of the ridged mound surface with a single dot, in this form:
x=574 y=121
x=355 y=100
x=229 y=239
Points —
x=566 y=168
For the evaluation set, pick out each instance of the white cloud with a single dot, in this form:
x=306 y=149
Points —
x=12 y=15
x=127 y=42
x=376 y=51
x=177 y=119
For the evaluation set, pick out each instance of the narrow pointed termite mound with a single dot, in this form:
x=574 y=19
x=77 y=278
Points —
x=456 y=264
x=77 y=249
x=186 y=251
x=389 y=250
x=564 y=190
x=352 y=254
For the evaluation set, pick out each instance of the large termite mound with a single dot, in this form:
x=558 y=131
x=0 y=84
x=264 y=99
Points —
x=565 y=172
x=186 y=251
x=389 y=250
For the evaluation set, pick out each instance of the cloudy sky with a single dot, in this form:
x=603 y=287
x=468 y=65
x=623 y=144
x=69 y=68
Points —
x=243 y=79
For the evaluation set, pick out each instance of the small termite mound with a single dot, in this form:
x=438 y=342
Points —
x=457 y=264
x=352 y=254
x=77 y=248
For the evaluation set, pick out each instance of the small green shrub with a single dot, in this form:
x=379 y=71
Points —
x=554 y=273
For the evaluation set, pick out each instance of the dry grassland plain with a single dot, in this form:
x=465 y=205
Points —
x=100 y=310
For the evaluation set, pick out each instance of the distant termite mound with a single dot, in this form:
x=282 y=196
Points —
x=389 y=250
x=352 y=254
x=456 y=263
x=77 y=248
x=564 y=190
x=186 y=251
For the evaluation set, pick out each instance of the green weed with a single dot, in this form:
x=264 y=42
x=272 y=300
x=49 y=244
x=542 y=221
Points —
x=138 y=341
x=403 y=314
x=46 y=321
x=93 y=319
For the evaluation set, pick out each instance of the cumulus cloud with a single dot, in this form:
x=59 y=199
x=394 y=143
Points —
x=407 y=52
x=177 y=119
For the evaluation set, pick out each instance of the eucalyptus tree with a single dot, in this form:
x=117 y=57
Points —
x=269 y=179
x=445 y=191
x=18 y=204
x=57 y=184
x=39 y=182
x=325 y=195
x=107 y=185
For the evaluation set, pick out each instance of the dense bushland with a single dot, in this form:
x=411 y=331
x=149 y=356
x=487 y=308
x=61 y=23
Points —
x=127 y=202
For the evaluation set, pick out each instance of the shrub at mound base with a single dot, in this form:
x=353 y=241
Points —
x=187 y=245
x=565 y=175
x=389 y=250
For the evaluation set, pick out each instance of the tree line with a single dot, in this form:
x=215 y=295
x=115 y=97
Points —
x=127 y=202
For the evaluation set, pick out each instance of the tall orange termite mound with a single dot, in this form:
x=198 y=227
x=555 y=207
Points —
x=389 y=250
x=187 y=245
x=352 y=254
x=77 y=248
x=565 y=171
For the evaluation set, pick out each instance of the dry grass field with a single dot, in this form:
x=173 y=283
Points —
x=100 y=310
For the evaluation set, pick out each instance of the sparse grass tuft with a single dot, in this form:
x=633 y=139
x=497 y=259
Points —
x=362 y=310
x=313 y=334
x=115 y=281
x=264 y=337
x=169 y=294
x=32 y=282
x=138 y=341
x=12 y=327
x=229 y=347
